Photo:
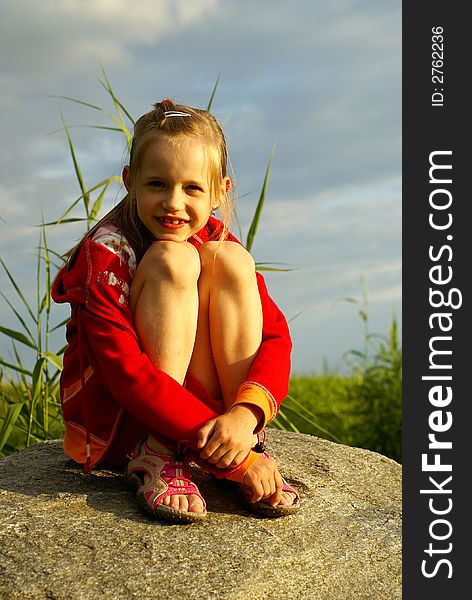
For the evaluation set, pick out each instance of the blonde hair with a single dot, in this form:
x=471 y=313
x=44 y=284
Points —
x=200 y=124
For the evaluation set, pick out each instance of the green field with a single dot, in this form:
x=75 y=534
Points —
x=357 y=411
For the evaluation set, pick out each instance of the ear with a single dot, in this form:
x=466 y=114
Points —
x=224 y=189
x=126 y=177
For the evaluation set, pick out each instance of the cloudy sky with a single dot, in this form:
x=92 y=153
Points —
x=320 y=80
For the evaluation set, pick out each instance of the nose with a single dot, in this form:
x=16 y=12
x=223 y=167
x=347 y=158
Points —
x=173 y=201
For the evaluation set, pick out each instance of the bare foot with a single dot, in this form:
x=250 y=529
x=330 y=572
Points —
x=183 y=503
x=287 y=499
x=180 y=502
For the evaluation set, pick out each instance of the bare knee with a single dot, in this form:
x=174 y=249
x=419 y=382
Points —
x=177 y=262
x=226 y=261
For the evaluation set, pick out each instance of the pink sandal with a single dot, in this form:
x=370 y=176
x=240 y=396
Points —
x=166 y=476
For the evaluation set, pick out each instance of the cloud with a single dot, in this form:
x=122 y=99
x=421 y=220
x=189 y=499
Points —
x=54 y=38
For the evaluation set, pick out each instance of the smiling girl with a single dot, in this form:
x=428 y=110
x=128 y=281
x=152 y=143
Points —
x=176 y=351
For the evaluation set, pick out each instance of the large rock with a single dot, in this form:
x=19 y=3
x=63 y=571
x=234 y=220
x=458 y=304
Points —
x=67 y=536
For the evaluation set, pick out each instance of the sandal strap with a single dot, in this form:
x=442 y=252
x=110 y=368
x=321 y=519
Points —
x=288 y=488
x=167 y=476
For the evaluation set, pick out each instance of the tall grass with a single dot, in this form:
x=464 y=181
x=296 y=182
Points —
x=362 y=409
x=29 y=400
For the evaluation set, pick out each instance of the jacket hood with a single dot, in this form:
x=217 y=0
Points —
x=68 y=285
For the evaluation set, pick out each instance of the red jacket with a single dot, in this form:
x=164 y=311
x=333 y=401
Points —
x=106 y=372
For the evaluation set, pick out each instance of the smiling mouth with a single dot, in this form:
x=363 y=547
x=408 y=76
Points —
x=171 y=221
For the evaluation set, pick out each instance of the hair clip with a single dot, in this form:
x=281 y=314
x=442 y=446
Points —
x=176 y=113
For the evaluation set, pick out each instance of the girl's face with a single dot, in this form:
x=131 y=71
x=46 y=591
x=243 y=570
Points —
x=173 y=188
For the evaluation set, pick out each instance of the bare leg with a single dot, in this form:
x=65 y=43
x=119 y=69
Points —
x=229 y=329
x=164 y=299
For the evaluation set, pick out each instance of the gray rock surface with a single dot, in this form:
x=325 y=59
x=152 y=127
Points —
x=67 y=536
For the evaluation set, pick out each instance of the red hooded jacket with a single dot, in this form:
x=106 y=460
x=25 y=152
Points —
x=106 y=374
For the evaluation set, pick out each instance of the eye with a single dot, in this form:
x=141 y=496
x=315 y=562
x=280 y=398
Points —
x=195 y=188
x=156 y=183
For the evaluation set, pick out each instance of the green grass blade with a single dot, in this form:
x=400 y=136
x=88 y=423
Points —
x=299 y=313
x=120 y=109
x=291 y=426
x=17 y=314
x=54 y=382
x=17 y=289
x=127 y=133
x=60 y=130
x=210 y=102
x=309 y=417
x=61 y=220
x=54 y=360
x=17 y=335
x=36 y=388
x=105 y=128
x=9 y=421
x=257 y=215
x=16 y=368
x=87 y=104
x=47 y=263
x=261 y=266
x=61 y=324
x=106 y=84
x=44 y=302
x=97 y=205
x=57 y=255
x=19 y=363
x=238 y=224
x=78 y=172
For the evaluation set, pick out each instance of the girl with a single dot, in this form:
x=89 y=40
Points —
x=176 y=351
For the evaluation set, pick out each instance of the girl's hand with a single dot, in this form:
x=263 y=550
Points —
x=263 y=482
x=226 y=440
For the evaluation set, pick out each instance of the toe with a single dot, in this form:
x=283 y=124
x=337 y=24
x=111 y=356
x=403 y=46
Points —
x=195 y=504
x=287 y=499
x=183 y=503
x=175 y=501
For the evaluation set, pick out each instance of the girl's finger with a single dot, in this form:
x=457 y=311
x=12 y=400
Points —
x=266 y=488
x=217 y=455
x=226 y=459
x=211 y=446
x=277 y=496
x=257 y=492
x=204 y=433
x=238 y=459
